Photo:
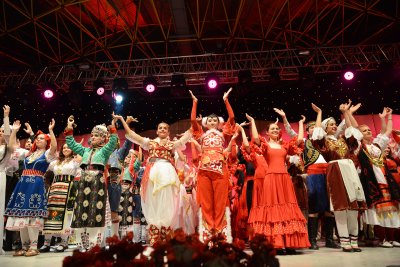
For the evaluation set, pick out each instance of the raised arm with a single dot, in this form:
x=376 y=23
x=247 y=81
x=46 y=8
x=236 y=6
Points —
x=300 y=136
x=183 y=139
x=389 y=128
x=286 y=123
x=53 y=140
x=231 y=119
x=382 y=116
x=6 y=122
x=231 y=143
x=193 y=121
x=253 y=129
x=134 y=137
x=351 y=110
x=69 y=139
x=13 y=137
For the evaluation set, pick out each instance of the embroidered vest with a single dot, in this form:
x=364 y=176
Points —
x=157 y=150
x=339 y=146
x=212 y=158
x=310 y=154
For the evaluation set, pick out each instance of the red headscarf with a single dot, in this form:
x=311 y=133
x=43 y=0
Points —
x=46 y=136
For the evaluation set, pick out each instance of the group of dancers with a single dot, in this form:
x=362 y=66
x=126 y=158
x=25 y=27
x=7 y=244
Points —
x=233 y=185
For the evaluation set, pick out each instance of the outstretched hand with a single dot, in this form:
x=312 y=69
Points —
x=52 y=124
x=199 y=118
x=226 y=94
x=316 y=108
x=28 y=129
x=16 y=125
x=354 y=108
x=249 y=118
x=280 y=112
x=383 y=114
x=130 y=119
x=303 y=119
x=71 y=122
x=193 y=96
x=6 y=110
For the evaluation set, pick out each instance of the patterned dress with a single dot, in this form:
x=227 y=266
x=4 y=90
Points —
x=28 y=202
x=61 y=197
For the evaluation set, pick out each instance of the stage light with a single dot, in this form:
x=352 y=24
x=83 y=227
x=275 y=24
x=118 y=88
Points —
x=48 y=93
x=212 y=81
x=150 y=84
x=118 y=98
x=99 y=86
x=348 y=75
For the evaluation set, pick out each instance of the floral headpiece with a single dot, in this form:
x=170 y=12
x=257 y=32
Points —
x=100 y=129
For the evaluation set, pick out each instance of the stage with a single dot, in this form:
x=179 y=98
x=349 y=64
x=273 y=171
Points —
x=370 y=257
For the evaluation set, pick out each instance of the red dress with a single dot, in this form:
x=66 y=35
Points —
x=278 y=215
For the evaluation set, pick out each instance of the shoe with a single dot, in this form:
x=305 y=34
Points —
x=395 y=244
x=347 y=249
x=280 y=252
x=290 y=251
x=312 y=232
x=60 y=248
x=44 y=249
x=32 y=252
x=331 y=244
x=357 y=249
x=20 y=252
x=17 y=245
x=386 y=244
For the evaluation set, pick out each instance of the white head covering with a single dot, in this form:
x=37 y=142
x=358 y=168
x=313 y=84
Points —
x=325 y=122
x=220 y=119
x=100 y=129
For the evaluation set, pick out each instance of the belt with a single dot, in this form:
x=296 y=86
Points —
x=32 y=173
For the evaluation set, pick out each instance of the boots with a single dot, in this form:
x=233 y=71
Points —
x=312 y=232
x=329 y=227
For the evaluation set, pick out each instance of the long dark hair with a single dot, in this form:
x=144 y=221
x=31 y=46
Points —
x=61 y=156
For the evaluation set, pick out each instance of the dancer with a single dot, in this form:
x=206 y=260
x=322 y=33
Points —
x=382 y=193
x=278 y=215
x=318 y=201
x=27 y=207
x=60 y=200
x=344 y=187
x=213 y=173
x=89 y=208
x=160 y=182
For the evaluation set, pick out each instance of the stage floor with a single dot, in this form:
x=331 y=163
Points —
x=370 y=257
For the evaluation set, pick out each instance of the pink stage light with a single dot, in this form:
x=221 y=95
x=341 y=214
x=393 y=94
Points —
x=100 y=91
x=150 y=88
x=212 y=83
x=48 y=93
x=348 y=75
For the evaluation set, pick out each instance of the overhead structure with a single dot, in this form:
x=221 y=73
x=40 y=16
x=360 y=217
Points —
x=288 y=62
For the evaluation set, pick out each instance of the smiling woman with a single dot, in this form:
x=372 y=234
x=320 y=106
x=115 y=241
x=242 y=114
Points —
x=160 y=182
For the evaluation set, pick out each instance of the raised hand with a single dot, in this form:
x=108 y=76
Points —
x=303 y=119
x=342 y=107
x=71 y=122
x=277 y=120
x=280 y=112
x=383 y=114
x=347 y=106
x=52 y=124
x=28 y=129
x=117 y=117
x=193 y=96
x=245 y=123
x=16 y=125
x=389 y=111
x=130 y=119
x=249 y=118
x=315 y=108
x=226 y=94
x=354 y=108
x=199 y=118
x=6 y=110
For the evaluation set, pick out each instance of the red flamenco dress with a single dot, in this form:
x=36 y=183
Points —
x=278 y=215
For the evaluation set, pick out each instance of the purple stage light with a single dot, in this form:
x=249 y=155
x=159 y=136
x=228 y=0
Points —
x=212 y=83
x=118 y=98
x=348 y=75
x=48 y=93
x=100 y=91
x=150 y=88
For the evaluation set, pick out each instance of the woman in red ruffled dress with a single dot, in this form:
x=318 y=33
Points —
x=277 y=215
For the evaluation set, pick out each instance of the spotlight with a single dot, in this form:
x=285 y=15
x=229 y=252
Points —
x=212 y=81
x=150 y=84
x=98 y=86
x=118 y=98
x=48 y=93
x=348 y=75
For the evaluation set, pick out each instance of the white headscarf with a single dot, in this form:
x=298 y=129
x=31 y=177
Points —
x=325 y=122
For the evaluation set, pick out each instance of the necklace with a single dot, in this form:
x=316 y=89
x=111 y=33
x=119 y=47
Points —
x=35 y=155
